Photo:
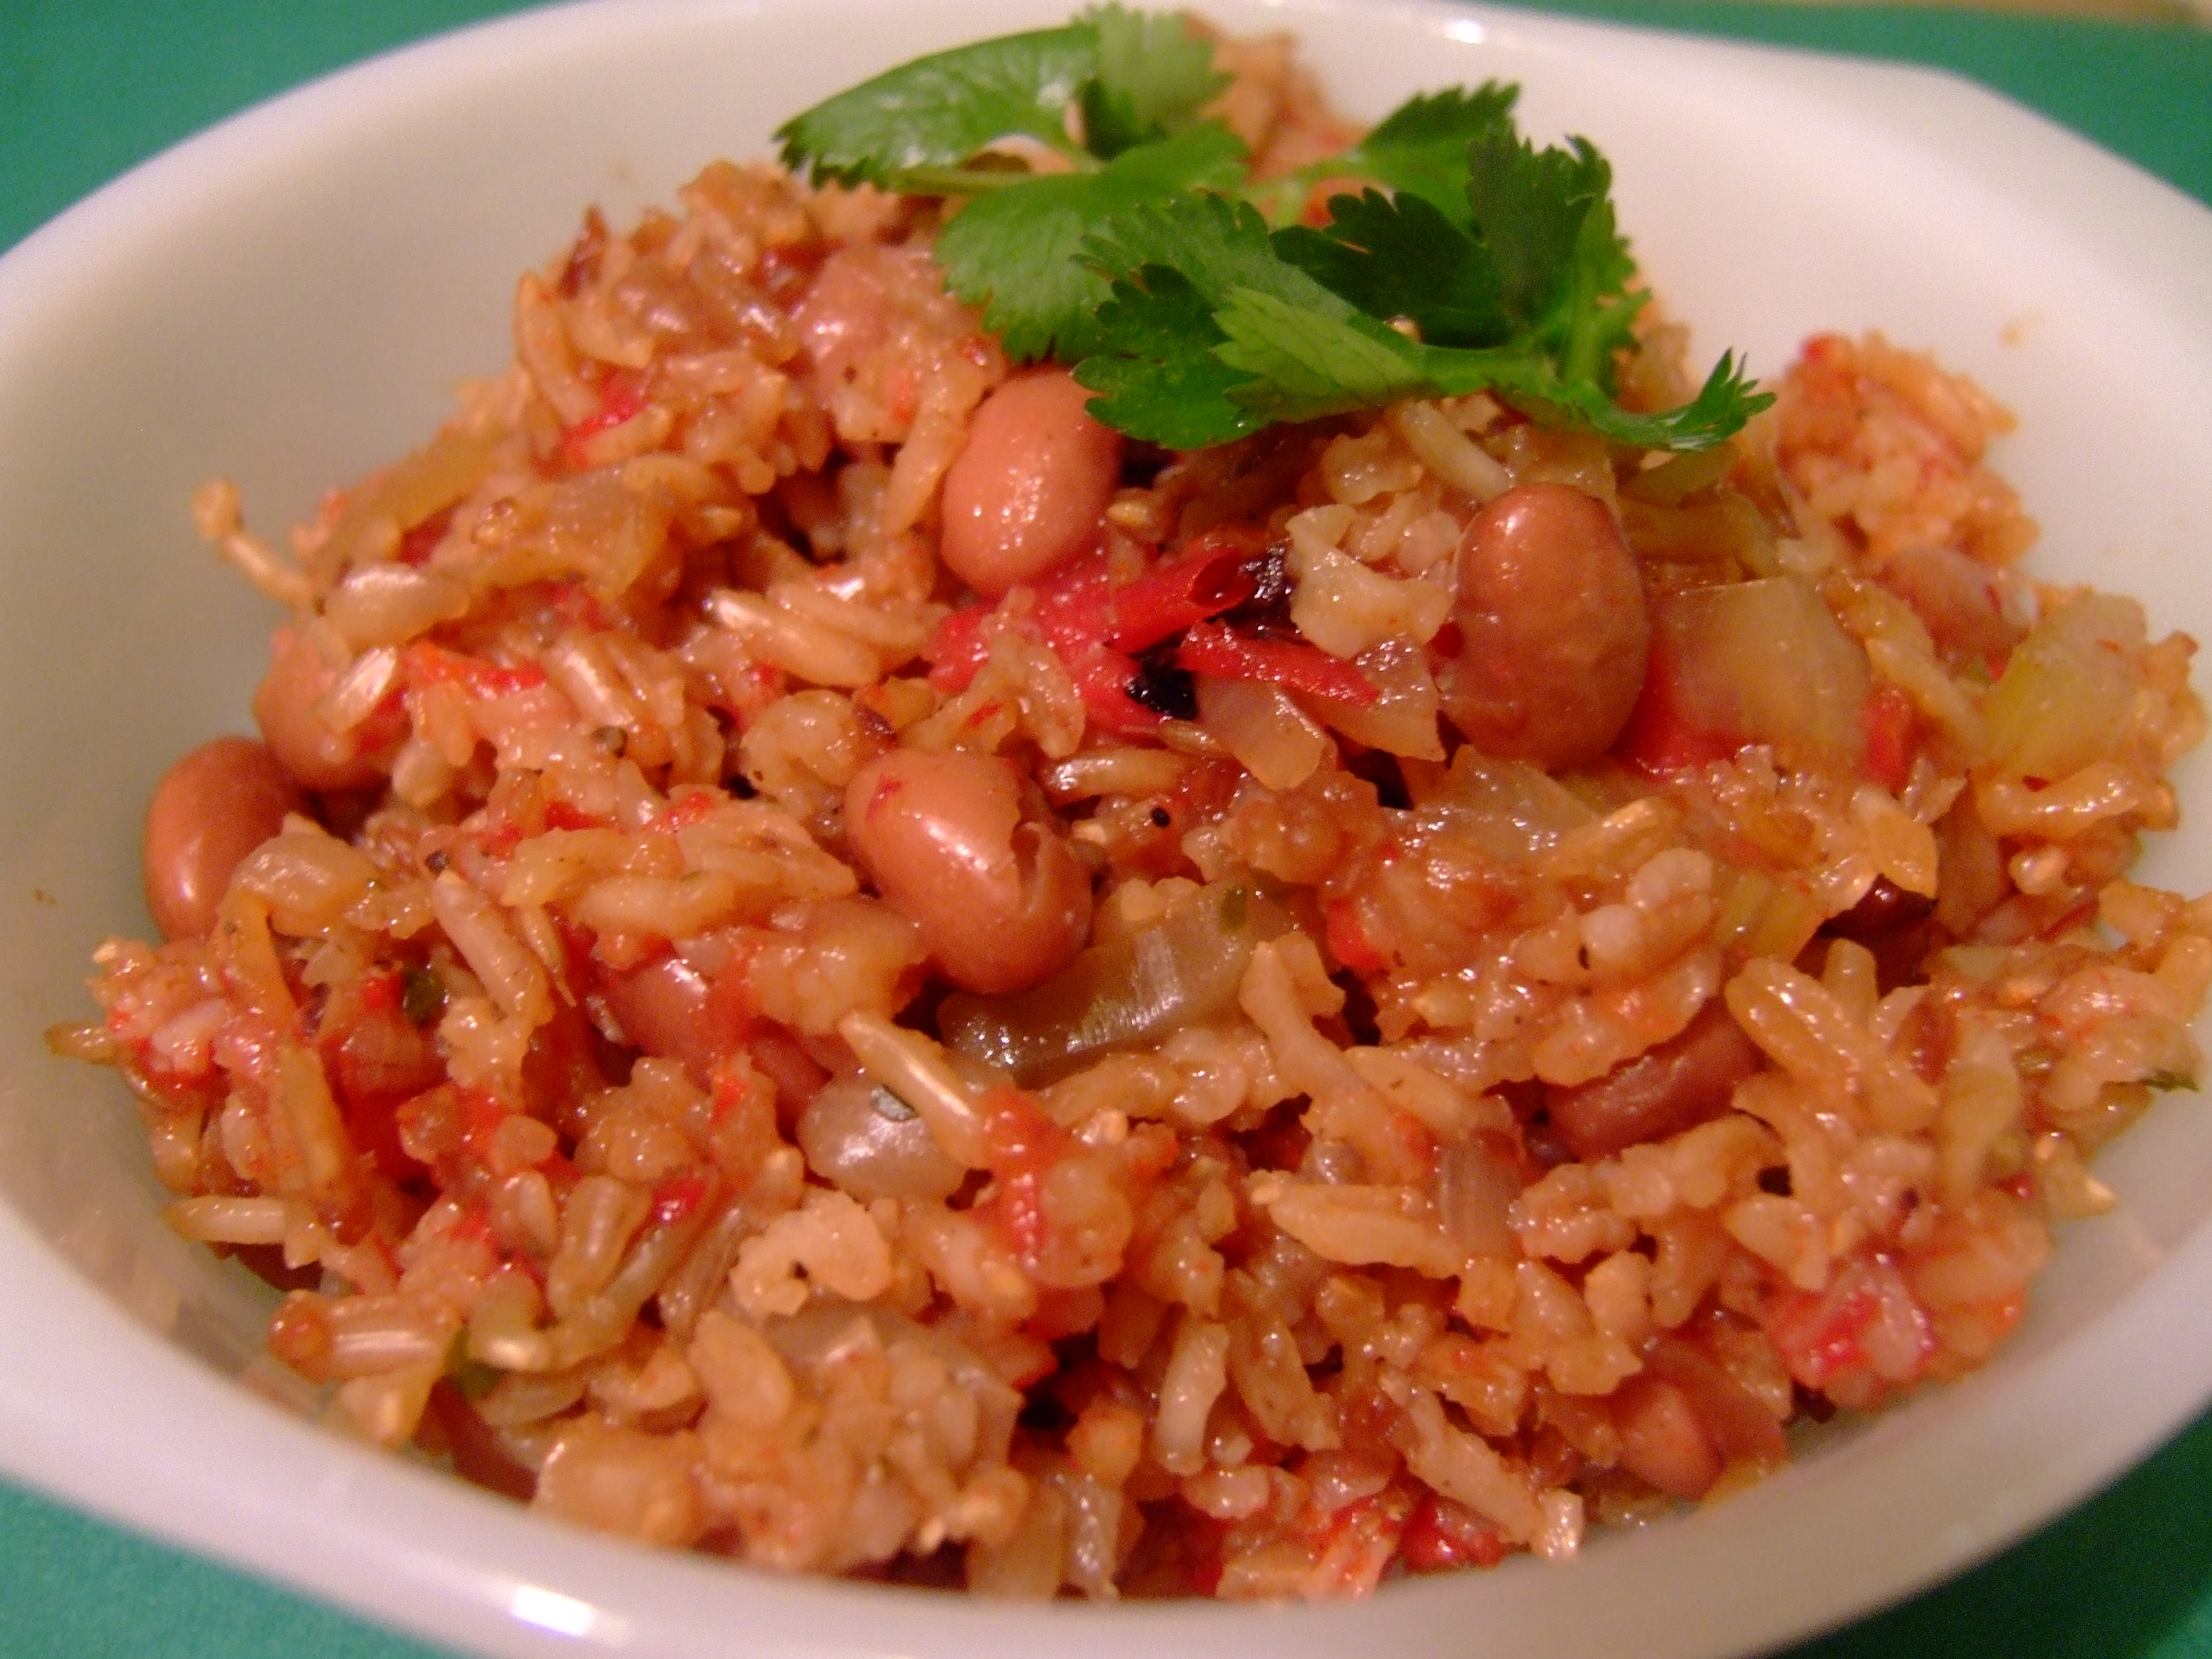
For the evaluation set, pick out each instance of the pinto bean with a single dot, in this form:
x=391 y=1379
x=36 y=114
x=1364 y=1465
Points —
x=1030 y=489
x=1662 y=1439
x=1000 y=898
x=1555 y=636
x=209 y=810
x=668 y=1007
x=284 y=708
x=1681 y=1083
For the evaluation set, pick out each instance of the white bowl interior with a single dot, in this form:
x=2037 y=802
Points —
x=290 y=300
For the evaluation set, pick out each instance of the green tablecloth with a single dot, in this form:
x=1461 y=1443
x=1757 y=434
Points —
x=89 y=87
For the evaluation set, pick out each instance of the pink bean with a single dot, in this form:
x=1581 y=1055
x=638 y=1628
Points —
x=1000 y=898
x=1684 y=1081
x=209 y=810
x=284 y=708
x=1554 y=631
x=1662 y=1439
x=1029 y=490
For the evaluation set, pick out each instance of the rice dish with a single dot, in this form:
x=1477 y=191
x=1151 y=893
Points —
x=1352 y=1001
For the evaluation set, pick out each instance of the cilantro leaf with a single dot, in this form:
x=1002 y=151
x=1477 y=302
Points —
x=1599 y=313
x=1218 y=243
x=1149 y=268
x=1420 y=148
x=1403 y=258
x=1206 y=306
x=937 y=111
x=1301 y=365
x=1174 y=265
x=1157 y=374
x=1528 y=380
x=1529 y=205
x=1017 y=251
x=1154 y=76
x=1211 y=333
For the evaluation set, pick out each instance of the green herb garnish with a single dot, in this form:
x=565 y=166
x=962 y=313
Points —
x=1150 y=264
x=1236 y=908
x=422 y=995
x=471 y=1376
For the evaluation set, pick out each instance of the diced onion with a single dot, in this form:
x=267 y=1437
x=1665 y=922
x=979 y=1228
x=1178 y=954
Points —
x=1140 y=988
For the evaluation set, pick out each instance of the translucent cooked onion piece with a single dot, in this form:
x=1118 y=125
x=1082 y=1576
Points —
x=1744 y=663
x=1140 y=989
x=2069 y=693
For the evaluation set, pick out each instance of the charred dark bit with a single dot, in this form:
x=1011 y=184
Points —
x=1267 y=614
x=1164 y=688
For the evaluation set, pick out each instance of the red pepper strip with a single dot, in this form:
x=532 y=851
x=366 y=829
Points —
x=1209 y=578
x=1211 y=649
x=1104 y=678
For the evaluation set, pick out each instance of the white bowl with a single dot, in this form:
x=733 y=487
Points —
x=290 y=299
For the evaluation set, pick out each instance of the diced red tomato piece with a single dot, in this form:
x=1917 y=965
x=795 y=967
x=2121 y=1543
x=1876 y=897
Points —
x=577 y=605
x=1104 y=678
x=560 y=815
x=678 y=1197
x=1348 y=940
x=1020 y=1143
x=957 y=651
x=379 y=993
x=376 y=1059
x=418 y=544
x=1817 y=1333
x=431 y=664
x=1891 y=726
x=1660 y=737
x=1446 y=1536
x=1018 y=1136
x=621 y=397
x=685 y=808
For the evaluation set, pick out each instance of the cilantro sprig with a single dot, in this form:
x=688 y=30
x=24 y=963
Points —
x=1147 y=261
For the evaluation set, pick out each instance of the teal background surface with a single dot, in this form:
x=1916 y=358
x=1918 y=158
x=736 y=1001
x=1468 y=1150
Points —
x=88 y=87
